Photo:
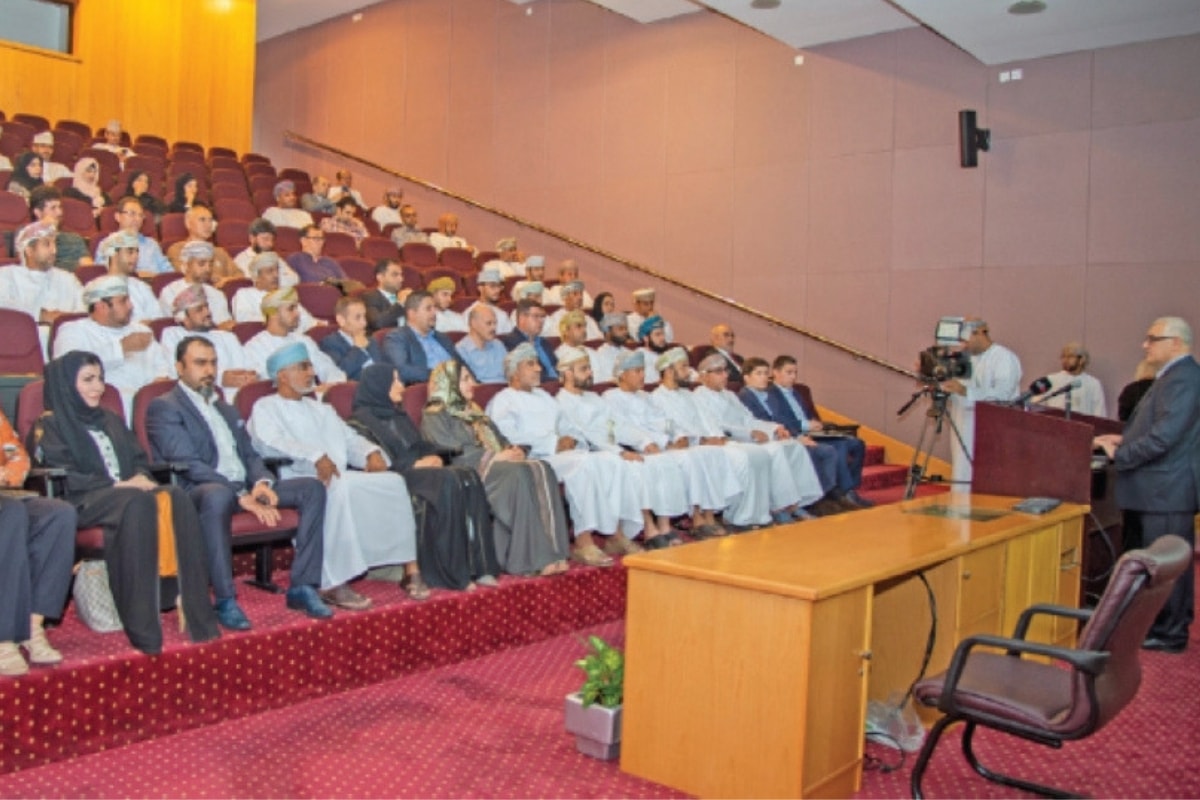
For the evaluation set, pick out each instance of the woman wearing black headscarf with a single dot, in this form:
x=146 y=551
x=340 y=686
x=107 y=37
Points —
x=454 y=525
x=26 y=174
x=605 y=304
x=109 y=483
x=138 y=187
x=186 y=189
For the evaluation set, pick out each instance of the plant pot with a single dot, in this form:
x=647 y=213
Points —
x=597 y=729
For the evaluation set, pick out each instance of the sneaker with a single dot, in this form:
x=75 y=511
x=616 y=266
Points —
x=306 y=599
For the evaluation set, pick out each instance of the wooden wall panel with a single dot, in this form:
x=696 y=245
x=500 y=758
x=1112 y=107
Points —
x=182 y=69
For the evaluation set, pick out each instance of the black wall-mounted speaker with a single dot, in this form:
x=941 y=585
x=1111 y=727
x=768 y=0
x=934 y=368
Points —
x=971 y=139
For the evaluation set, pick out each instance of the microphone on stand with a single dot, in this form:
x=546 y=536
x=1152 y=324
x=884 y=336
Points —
x=1040 y=386
x=1064 y=389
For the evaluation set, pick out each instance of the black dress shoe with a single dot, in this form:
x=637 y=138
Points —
x=1163 y=646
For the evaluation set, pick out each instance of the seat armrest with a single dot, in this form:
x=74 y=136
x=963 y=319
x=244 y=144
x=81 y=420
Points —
x=1023 y=622
x=47 y=480
x=1089 y=661
x=276 y=463
x=168 y=471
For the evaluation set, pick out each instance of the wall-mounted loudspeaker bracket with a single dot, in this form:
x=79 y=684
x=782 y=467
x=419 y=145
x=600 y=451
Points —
x=971 y=139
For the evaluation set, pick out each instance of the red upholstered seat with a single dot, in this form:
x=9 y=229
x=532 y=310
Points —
x=78 y=217
x=20 y=347
x=341 y=397
x=245 y=331
x=457 y=258
x=319 y=299
x=419 y=254
x=338 y=245
x=320 y=331
x=377 y=247
x=359 y=269
x=415 y=397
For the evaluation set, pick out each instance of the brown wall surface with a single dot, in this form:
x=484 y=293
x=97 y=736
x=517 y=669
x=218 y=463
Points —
x=181 y=69
x=827 y=194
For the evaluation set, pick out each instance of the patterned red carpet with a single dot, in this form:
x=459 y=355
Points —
x=492 y=727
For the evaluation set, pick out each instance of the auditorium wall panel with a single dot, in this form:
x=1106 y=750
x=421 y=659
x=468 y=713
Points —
x=698 y=147
x=179 y=70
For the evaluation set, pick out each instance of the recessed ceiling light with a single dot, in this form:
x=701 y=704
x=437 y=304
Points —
x=764 y=4
x=1027 y=7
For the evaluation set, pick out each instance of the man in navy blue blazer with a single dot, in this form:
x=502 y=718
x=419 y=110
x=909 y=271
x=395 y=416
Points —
x=770 y=395
x=1157 y=459
x=530 y=319
x=416 y=347
x=351 y=346
x=191 y=425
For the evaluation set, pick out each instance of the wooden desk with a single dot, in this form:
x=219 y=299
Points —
x=750 y=659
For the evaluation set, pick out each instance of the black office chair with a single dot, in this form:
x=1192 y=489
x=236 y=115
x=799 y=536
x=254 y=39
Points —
x=1042 y=702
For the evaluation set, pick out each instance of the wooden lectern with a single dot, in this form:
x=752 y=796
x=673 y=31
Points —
x=1031 y=454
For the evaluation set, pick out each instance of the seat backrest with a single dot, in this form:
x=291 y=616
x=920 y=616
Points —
x=20 y=346
x=234 y=285
x=59 y=321
x=249 y=394
x=415 y=397
x=245 y=331
x=13 y=210
x=77 y=217
x=319 y=331
x=141 y=403
x=31 y=404
x=484 y=393
x=319 y=299
x=1141 y=583
x=233 y=233
x=340 y=244
x=419 y=254
x=457 y=258
x=359 y=269
x=341 y=397
x=377 y=247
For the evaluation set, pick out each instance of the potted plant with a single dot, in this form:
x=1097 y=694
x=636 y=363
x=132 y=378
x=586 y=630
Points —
x=594 y=712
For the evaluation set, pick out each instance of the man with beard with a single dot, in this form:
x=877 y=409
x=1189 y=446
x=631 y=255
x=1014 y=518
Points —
x=616 y=333
x=196 y=260
x=265 y=270
x=195 y=320
x=530 y=317
x=491 y=284
x=447 y=234
x=408 y=231
x=127 y=349
x=192 y=425
x=262 y=240
x=282 y=311
x=572 y=301
x=35 y=286
x=447 y=320
x=121 y=254
x=653 y=337
x=568 y=271
x=535 y=272
x=200 y=227
x=385 y=303
x=643 y=309
x=70 y=249
x=389 y=212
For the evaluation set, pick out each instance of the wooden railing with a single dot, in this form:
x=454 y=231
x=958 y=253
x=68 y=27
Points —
x=853 y=352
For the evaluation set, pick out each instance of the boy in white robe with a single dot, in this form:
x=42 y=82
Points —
x=368 y=515
x=37 y=287
x=282 y=311
x=794 y=480
x=529 y=418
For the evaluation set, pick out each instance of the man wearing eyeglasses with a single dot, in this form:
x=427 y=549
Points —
x=1158 y=467
x=130 y=216
x=312 y=267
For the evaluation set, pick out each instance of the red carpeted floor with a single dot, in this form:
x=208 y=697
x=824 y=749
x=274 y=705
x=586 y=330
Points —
x=492 y=727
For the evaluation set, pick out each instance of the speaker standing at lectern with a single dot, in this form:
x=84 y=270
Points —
x=995 y=376
x=1158 y=466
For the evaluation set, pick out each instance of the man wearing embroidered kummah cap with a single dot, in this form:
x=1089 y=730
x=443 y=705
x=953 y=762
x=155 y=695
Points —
x=448 y=320
x=661 y=480
x=112 y=141
x=281 y=308
x=368 y=514
x=266 y=270
x=261 y=235
x=572 y=301
x=287 y=212
x=568 y=271
x=201 y=227
x=491 y=286
x=510 y=263
x=122 y=250
x=643 y=308
x=711 y=483
x=195 y=319
x=596 y=488
x=196 y=261
x=35 y=286
x=131 y=356
x=604 y=356
x=535 y=272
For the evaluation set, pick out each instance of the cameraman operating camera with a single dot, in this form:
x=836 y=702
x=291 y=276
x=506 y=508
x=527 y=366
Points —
x=995 y=376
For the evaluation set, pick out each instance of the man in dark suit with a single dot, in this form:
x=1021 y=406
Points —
x=530 y=319
x=191 y=425
x=767 y=402
x=1158 y=466
x=416 y=347
x=351 y=347
x=385 y=304
x=721 y=339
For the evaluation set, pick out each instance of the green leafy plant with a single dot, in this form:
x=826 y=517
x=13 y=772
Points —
x=604 y=666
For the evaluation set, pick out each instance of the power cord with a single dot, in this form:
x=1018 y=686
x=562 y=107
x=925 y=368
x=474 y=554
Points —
x=871 y=762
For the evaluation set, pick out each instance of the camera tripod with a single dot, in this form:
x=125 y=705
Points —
x=935 y=418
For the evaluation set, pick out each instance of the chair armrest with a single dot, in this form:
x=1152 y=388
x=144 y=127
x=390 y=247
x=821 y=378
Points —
x=276 y=463
x=168 y=471
x=1089 y=661
x=1023 y=622
x=47 y=480
x=447 y=452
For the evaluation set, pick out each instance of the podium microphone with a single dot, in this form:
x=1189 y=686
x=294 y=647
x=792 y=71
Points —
x=1040 y=386
x=1070 y=387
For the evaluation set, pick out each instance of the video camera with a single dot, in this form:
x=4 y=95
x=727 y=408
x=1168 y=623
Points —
x=946 y=359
